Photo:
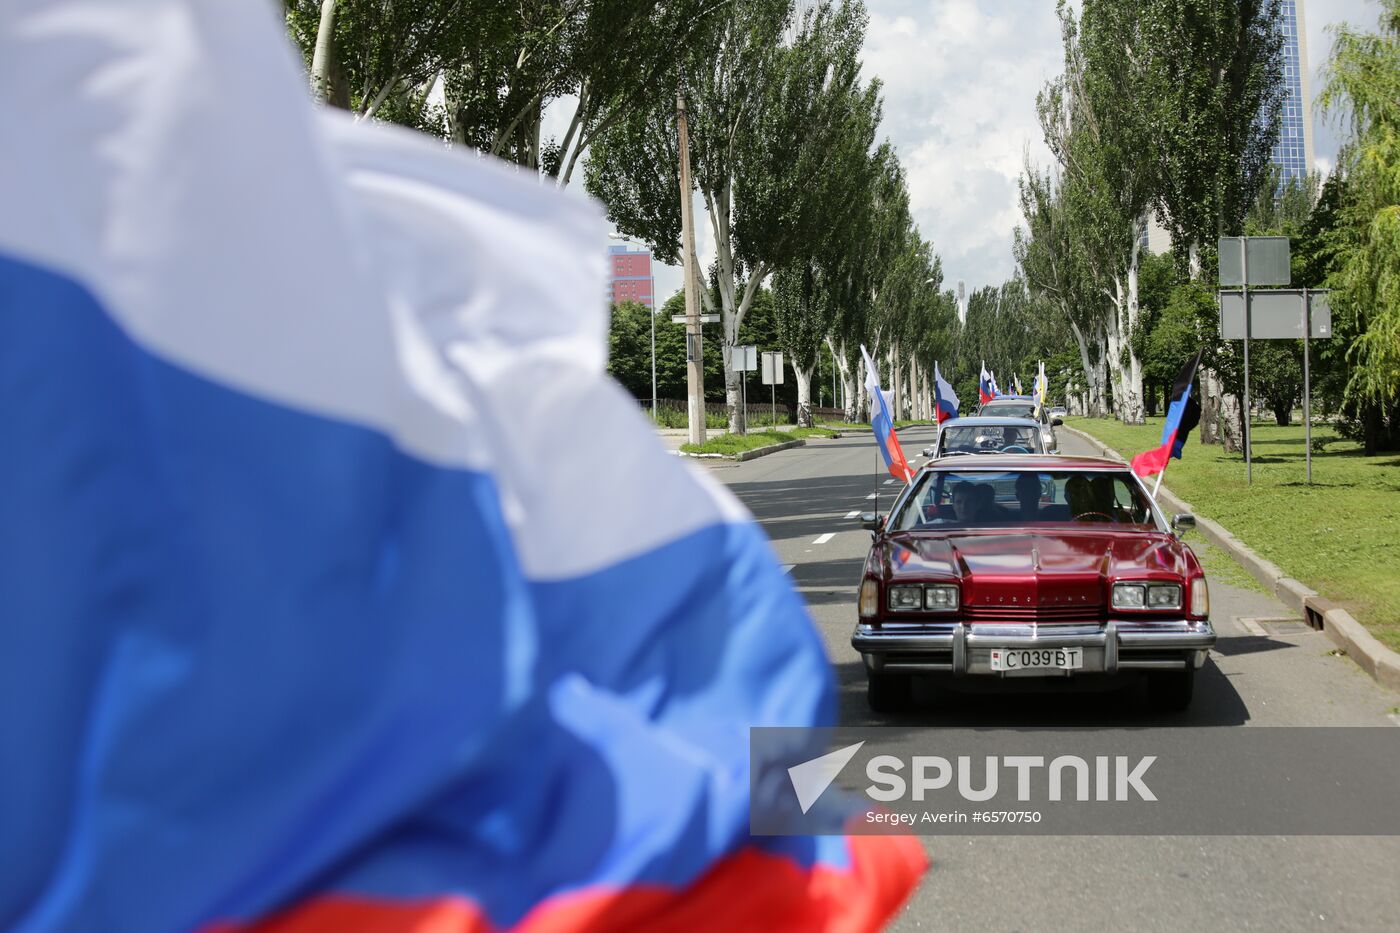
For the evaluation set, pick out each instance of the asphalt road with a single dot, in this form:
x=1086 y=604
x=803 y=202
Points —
x=808 y=500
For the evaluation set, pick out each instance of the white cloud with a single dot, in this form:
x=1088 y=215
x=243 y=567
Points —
x=960 y=84
x=960 y=80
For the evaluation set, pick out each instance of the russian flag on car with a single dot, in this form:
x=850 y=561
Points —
x=1183 y=414
x=945 y=399
x=986 y=388
x=307 y=624
x=883 y=424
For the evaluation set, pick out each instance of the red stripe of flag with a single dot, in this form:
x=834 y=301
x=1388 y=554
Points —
x=748 y=892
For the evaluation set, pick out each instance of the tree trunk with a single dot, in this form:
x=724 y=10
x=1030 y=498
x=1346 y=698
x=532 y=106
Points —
x=1101 y=399
x=1086 y=363
x=1231 y=425
x=1210 y=407
x=893 y=360
x=323 y=53
x=1133 y=394
x=843 y=369
x=804 y=395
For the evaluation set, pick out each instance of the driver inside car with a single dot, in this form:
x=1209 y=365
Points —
x=1080 y=496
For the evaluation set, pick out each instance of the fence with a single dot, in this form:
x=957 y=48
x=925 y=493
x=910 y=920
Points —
x=674 y=413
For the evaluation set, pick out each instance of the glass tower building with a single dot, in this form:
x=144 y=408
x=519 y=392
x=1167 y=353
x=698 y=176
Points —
x=1293 y=153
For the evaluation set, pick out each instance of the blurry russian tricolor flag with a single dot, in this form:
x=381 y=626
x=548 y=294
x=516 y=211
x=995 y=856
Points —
x=986 y=386
x=341 y=589
x=944 y=398
x=882 y=423
x=1183 y=414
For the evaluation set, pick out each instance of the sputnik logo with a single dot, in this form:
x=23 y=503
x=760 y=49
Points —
x=811 y=778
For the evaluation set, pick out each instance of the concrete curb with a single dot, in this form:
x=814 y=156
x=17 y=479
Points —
x=1380 y=662
x=746 y=455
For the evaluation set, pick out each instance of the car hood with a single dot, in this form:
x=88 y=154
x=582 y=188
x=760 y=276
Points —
x=1033 y=568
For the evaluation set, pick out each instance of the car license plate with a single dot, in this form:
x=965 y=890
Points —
x=1030 y=659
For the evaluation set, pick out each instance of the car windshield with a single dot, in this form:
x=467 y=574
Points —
x=988 y=498
x=1011 y=410
x=987 y=439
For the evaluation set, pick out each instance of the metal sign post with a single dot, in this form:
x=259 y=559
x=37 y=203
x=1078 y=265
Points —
x=1307 y=390
x=1244 y=417
x=743 y=360
x=1270 y=256
x=773 y=376
x=1270 y=314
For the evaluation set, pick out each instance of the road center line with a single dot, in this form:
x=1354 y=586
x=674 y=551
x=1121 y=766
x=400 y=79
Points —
x=825 y=538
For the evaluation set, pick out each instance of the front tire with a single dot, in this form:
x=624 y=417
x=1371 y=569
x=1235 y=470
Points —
x=1170 y=691
x=888 y=693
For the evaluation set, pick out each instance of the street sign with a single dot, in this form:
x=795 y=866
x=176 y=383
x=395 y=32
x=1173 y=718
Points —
x=772 y=368
x=1268 y=258
x=743 y=359
x=1275 y=314
x=704 y=319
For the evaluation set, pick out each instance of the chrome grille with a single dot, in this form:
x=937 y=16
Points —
x=1037 y=614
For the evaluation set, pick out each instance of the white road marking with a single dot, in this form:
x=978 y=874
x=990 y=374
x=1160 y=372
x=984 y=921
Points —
x=888 y=482
x=854 y=514
x=873 y=495
x=825 y=538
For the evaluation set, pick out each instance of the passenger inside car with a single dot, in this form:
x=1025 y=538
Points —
x=1028 y=496
x=1079 y=493
x=965 y=502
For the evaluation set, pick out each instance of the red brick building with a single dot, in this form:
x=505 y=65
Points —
x=629 y=276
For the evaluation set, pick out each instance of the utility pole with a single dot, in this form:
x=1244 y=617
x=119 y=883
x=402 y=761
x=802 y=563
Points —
x=695 y=361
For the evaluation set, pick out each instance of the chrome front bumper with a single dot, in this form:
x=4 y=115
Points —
x=959 y=648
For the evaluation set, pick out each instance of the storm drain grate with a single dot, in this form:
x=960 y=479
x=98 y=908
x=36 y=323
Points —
x=1275 y=626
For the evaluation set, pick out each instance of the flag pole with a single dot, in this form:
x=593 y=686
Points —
x=1158 y=484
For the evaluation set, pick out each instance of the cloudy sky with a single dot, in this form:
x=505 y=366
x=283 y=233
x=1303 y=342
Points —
x=960 y=79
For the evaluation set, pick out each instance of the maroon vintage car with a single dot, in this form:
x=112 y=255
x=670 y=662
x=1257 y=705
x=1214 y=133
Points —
x=1015 y=566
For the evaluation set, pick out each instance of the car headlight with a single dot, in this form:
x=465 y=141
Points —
x=941 y=598
x=1163 y=596
x=869 y=598
x=1200 y=597
x=1157 y=596
x=1129 y=596
x=906 y=598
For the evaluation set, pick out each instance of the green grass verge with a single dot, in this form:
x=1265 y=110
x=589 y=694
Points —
x=731 y=444
x=1340 y=536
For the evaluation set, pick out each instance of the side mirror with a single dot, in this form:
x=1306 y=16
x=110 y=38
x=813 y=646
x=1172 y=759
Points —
x=929 y=451
x=1182 y=520
x=1057 y=420
x=872 y=521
